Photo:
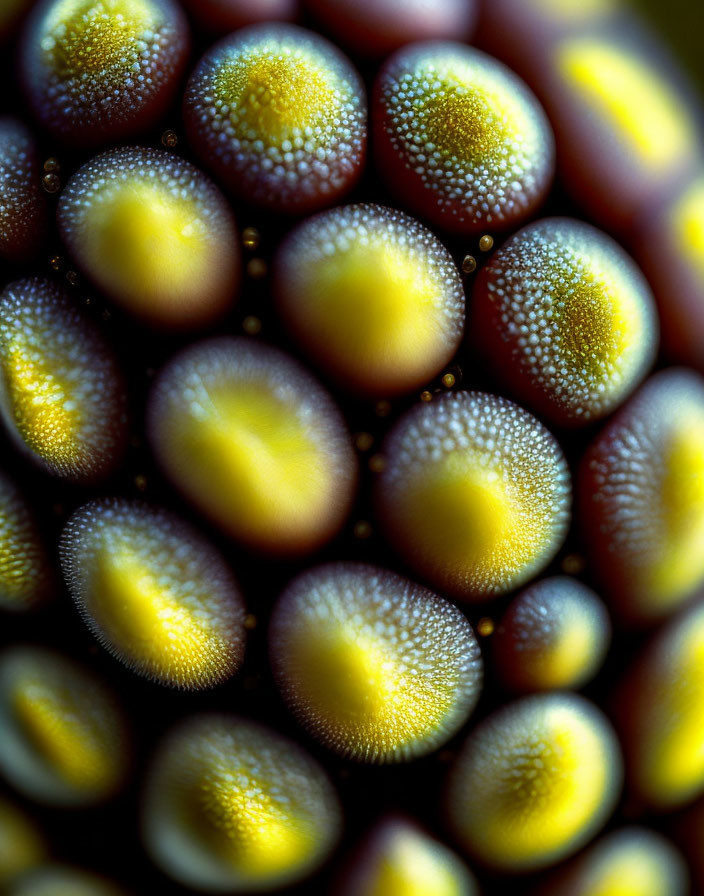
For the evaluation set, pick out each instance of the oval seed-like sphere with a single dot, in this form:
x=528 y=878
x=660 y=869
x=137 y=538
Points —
x=378 y=27
x=100 y=70
x=460 y=138
x=641 y=489
x=155 y=593
x=59 y=880
x=21 y=845
x=567 y=320
x=377 y=668
x=534 y=782
x=661 y=715
x=627 y=862
x=254 y=442
x=25 y=574
x=61 y=392
x=23 y=210
x=154 y=234
x=63 y=739
x=223 y=16
x=554 y=634
x=400 y=859
x=372 y=296
x=279 y=114
x=475 y=494
x=231 y=805
x=669 y=244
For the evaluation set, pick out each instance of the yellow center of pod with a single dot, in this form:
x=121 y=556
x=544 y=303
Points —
x=688 y=225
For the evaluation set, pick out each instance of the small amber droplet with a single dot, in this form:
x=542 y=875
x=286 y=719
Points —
x=56 y=262
x=363 y=441
x=486 y=243
x=426 y=396
x=141 y=482
x=382 y=408
x=251 y=325
x=51 y=183
x=448 y=380
x=257 y=269
x=250 y=238
x=573 y=564
x=485 y=627
x=469 y=264
x=250 y=622
x=52 y=165
x=362 y=529
x=377 y=463
x=169 y=139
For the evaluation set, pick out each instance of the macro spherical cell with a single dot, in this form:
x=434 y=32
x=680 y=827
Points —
x=565 y=318
x=279 y=115
x=63 y=880
x=155 y=593
x=398 y=858
x=641 y=498
x=25 y=573
x=64 y=738
x=460 y=139
x=378 y=27
x=475 y=494
x=554 y=634
x=661 y=714
x=669 y=245
x=534 y=782
x=631 y=861
x=377 y=668
x=23 y=209
x=372 y=296
x=223 y=16
x=21 y=845
x=155 y=234
x=233 y=806
x=255 y=443
x=61 y=392
x=99 y=70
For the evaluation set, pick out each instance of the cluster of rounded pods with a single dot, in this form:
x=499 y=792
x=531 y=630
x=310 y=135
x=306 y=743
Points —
x=441 y=494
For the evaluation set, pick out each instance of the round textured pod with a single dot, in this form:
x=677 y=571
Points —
x=641 y=486
x=154 y=234
x=378 y=27
x=372 y=296
x=223 y=16
x=60 y=880
x=64 y=740
x=475 y=493
x=632 y=861
x=155 y=593
x=21 y=845
x=554 y=634
x=233 y=806
x=253 y=440
x=377 y=668
x=100 y=70
x=565 y=317
x=534 y=782
x=23 y=210
x=61 y=392
x=661 y=714
x=279 y=114
x=25 y=575
x=460 y=138
x=399 y=859
x=669 y=244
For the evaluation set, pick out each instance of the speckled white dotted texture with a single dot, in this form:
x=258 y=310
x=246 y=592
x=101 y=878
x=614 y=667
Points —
x=290 y=168
x=466 y=132
x=57 y=356
x=574 y=314
x=198 y=588
x=96 y=69
x=432 y=655
x=23 y=210
x=212 y=759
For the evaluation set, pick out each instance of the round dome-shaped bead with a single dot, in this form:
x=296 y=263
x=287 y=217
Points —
x=372 y=296
x=460 y=139
x=534 y=782
x=100 y=70
x=475 y=493
x=566 y=319
x=155 y=234
x=375 y=667
x=25 y=574
x=23 y=209
x=232 y=806
x=279 y=114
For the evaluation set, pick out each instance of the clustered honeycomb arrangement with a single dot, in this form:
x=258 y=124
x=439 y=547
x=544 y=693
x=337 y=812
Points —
x=351 y=451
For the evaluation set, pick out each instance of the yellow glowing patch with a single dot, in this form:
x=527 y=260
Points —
x=413 y=865
x=628 y=874
x=21 y=847
x=564 y=660
x=632 y=97
x=687 y=219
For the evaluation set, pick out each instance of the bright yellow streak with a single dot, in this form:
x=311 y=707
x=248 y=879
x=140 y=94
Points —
x=687 y=219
